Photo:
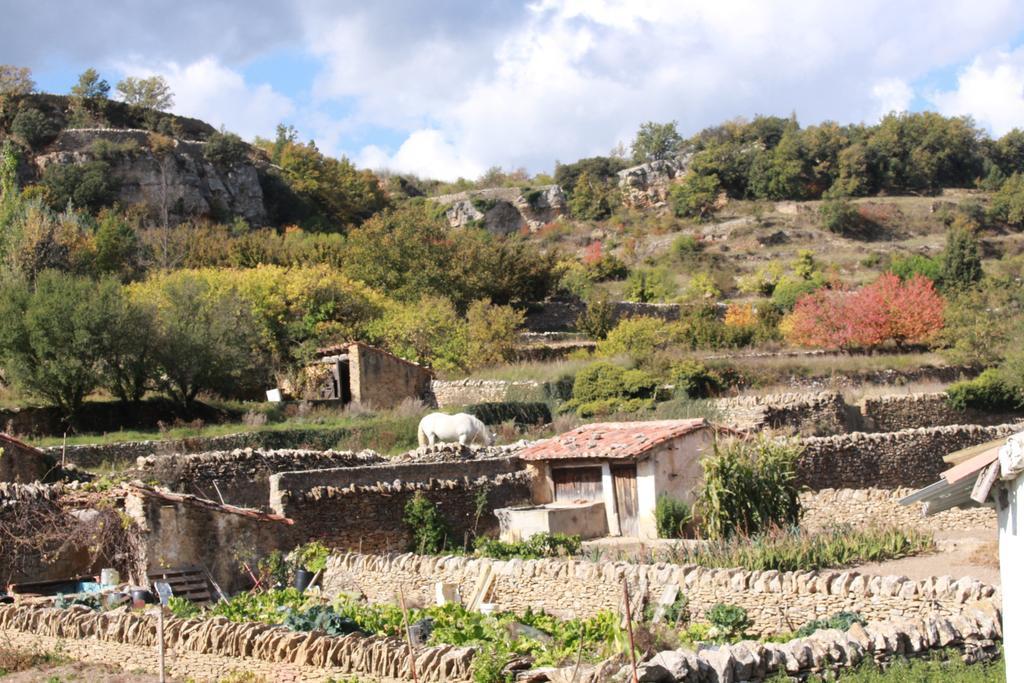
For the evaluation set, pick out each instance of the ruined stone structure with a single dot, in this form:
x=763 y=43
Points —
x=775 y=601
x=214 y=649
x=21 y=463
x=242 y=476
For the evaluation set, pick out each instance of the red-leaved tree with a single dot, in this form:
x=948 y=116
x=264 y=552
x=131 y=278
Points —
x=886 y=311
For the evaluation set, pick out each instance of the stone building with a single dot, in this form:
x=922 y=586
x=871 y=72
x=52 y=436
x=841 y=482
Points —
x=611 y=470
x=21 y=463
x=359 y=373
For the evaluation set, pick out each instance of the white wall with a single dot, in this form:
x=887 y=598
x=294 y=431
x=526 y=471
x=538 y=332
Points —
x=1011 y=559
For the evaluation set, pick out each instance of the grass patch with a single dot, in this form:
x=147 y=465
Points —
x=791 y=549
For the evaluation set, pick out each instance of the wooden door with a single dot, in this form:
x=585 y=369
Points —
x=624 y=479
x=576 y=483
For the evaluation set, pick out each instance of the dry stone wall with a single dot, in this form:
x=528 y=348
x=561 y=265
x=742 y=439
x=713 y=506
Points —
x=242 y=476
x=873 y=506
x=369 y=517
x=213 y=649
x=909 y=457
x=775 y=601
x=822 y=412
x=893 y=413
x=464 y=392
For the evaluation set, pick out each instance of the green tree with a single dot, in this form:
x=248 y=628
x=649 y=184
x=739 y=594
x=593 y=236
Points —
x=205 y=338
x=592 y=199
x=1008 y=203
x=55 y=335
x=655 y=141
x=961 y=260
x=89 y=185
x=16 y=80
x=90 y=86
x=149 y=93
x=225 y=149
x=117 y=250
x=428 y=331
x=491 y=332
x=696 y=196
x=128 y=368
x=32 y=127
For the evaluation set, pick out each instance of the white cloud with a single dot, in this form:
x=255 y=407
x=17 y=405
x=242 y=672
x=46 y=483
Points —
x=572 y=77
x=991 y=90
x=892 y=95
x=210 y=91
x=425 y=152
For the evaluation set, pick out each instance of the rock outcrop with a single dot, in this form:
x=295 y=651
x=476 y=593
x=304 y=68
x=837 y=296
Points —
x=647 y=185
x=504 y=210
x=175 y=185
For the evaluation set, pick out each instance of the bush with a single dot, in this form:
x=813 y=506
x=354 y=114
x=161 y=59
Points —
x=686 y=247
x=645 y=285
x=225 y=149
x=603 y=388
x=640 y=337
x=85 y=186
x=427 y=528
x=694 y=379
x=788 y=290
x=840 y=621
x=749 y=486
x=696 y=196
x=33 y=128
x=987 y=392
x=672 y=516
x=730 y=621
x=961 y=260
x=906 y=267
x=839 y=216
x=491 y=332
x=598 y=319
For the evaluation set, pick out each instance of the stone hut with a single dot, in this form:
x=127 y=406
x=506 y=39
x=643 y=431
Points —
x=614 y=471
x=359 y=373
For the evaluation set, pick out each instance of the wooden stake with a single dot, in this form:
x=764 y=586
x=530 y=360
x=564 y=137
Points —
x=408 y=636
x=629 y=628
x=160 y=639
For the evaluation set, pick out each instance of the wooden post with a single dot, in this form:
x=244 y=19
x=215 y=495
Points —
x=160 y=639
x=64 y=451
x=408 y=636
x=629 y=628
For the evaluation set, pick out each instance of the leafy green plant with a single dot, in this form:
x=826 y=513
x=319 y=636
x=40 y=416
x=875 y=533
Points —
x=839 y=620
x=988 y=392
x=749 y=486
x=427 y=528
x=728 y=622
x=535 y=547
x=839 y=216
x=598 y=319
x=312 y=556
x=672 y=516
x=182 y=608
x=321 y=618
x=274 y=568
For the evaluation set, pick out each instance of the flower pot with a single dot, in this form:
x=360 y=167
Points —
x=302 y=579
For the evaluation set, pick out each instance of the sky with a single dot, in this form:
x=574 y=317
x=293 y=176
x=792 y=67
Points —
x=449 y=88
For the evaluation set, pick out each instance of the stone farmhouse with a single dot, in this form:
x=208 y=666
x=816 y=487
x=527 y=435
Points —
x=615 y=471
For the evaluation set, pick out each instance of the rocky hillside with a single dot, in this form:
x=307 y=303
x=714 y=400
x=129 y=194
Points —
x=504 y=210
x=153 y=162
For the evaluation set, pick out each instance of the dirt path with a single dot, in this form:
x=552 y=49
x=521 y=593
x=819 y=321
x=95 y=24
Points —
x=961 y=553
x=78 y=671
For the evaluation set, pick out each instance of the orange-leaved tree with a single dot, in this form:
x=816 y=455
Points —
x=886 y=311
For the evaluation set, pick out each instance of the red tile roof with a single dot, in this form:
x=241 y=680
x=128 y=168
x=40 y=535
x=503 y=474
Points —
x=611 y=439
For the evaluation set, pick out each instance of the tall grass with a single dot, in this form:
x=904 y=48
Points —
x=793 y=549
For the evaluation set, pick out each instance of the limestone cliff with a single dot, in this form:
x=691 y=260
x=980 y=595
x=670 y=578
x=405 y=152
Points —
x=504 y=210
x=174 y=183
x=647 y=185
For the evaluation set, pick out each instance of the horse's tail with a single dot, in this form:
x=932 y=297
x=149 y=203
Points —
x=421 y=436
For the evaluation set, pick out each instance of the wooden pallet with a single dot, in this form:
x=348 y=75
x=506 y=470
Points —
x=191 y=583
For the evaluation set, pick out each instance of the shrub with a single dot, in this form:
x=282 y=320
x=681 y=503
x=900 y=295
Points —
x=788 y=290
x=961 y=260
x=987 y=392
x=311 y=556
x=694 y=379
x=686 y=247
x=740 y=315
x=749 y=485
x=672 y=516
x=730 y=621
x=906 y=267
x=225 y=149
x=428 y=530
x=640 y=337
x=598 y=319
x=649 y=284
x=32 y=127
x=696 y=196
x=603 y=388
x=85 y=186
x=839 y=216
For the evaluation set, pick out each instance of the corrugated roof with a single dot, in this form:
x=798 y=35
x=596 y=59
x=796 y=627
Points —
x=611 y=439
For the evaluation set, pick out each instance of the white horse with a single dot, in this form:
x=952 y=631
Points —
x=462 y=427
